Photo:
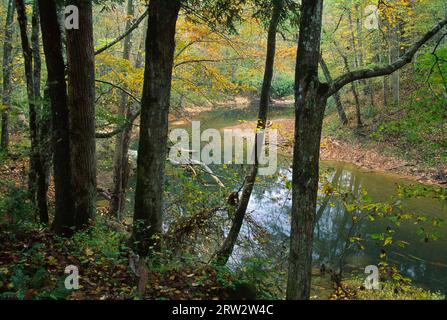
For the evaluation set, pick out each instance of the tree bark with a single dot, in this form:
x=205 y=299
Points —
x=340 y=110
x=64 y=217
x=7 y=83
x=227 y=248
x=310 y=103
x=42 y=150
x=29 y=75
x=81 y=101
x=160 y=47
x=121 y=158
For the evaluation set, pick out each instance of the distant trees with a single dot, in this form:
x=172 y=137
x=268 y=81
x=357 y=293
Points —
x=7 y=69
x=121 y=157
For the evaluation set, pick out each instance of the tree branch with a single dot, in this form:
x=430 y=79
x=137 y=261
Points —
x=129 y=122
x=406 y=58
x=125 y=34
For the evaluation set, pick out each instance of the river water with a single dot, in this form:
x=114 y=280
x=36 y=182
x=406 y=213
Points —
x=425 y=262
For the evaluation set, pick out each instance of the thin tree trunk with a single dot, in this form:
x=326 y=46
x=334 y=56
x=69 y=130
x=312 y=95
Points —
x=7 y=83
x=310 y=103
x=226 y=250
x=358 y=60
x=368 y=88
x=81 y=101
x=64 y=217
x=121 y=158
x=340 y=110
x=394 y=55
x=29 y=74
x=160 y=47
x=353 y=90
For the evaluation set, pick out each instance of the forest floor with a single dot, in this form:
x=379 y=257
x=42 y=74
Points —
x=33 y=259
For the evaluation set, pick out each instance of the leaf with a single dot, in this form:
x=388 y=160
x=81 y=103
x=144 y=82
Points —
x=88 y=251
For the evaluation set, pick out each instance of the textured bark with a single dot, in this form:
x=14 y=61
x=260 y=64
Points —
x=29 y=75
x=226 y=250
x=160 y=46
x=340 y=110
x=42 y=156
x=121 y=157
x=64 y=216
x=7 y=83
x=310 y=103
x=81 y=101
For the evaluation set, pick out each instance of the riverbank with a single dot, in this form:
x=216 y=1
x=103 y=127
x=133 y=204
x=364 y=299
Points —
x=361 y=152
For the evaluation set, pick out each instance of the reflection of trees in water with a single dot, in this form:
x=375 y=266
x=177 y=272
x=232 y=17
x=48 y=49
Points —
x=334 y=226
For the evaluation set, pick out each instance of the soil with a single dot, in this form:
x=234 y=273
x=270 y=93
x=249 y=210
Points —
x=369 y=155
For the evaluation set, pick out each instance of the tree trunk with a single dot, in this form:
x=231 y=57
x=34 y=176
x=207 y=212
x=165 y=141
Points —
x=310 y=102
x=121 y=158
x=160 y=47
x=358 y=60
x=29 y=74
x=353 y=90
x=64 y=217
x=81 y=101
x=41 y=166
x=340 y=110
x=7 y=83
x=394 y=55
x=226 y=250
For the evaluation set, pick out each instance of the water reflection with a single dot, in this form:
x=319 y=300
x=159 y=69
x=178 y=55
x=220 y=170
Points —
x=425 y=263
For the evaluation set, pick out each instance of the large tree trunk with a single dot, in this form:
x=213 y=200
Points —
x=310 y=102
x=7 y=83
x=29 y=75
x=81 y=101
x=121 y=158
x=42 y=157
x=160 y=47
x=64 y=219
x=340 y=110
x=226 y=250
